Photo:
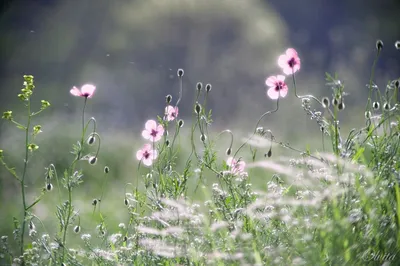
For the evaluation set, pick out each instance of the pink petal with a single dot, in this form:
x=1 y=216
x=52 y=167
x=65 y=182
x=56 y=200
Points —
x=284 y=91
x=288 y=70
x=272 y=93
x=270 y=82
x=139 y=155
x=229 y=161
x=283 y=61
x=147 y=162
x=153 y=154
x=280 y=78
x=156 y=138
x=150 y=124
x=291 y=53
x=146 y=147
x=146 y=134
x=160 y=130
x=88 y=90
x=75 y=91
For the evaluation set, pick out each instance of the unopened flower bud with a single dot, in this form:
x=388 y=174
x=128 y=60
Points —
x=397 y=84
x=375 y=105
x=341 y=106
x=228 y=151
x=106 y=169
x=367 y=114
x=397 y=45
x=199 y=86
x=94 y=202
x=269 y=154
x=180 y=72
x=208 y=87
x=93 y=160
x=335 y=101
x=325 y=102
x=386 y=106
x=168 y=98
x=203 y=137
x=91 y=140
x=126 y=202
x=49 y=187
x=167 y=142
x=77 y=229
x=31 y=225
x=379 y=45
x=180 y=123
x=197 y=108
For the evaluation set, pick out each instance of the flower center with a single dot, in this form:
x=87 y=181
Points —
x=146 y=154
x=153 y=133
x=291 y=62
x=278 y=86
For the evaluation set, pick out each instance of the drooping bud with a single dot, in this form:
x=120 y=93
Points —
x=180 y=72
x=203 y=137
x=106 y=169
x=168 y=98
x=180 y=123
x=199 y=86
x=325 y=102
x=94 y=202
x=77 y=229
x=379 y=45
x=335 y=101
x=341 y=106
x=386 y=106
x=197 y=108
x=92 y=160
x=91 y=139
x=208 y=87
x=49 y=187
x=228 y=151
x=375 y=105
x=397 y=45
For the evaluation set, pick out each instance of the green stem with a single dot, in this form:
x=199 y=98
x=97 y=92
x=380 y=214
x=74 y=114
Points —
x=23 y=176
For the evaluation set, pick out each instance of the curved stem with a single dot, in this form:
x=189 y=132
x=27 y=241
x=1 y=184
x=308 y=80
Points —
x=255 y=129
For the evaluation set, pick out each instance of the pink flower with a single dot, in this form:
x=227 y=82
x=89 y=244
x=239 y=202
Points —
x=171 y=112
x=152 y=131
x=289 y=62
x=236 y=166
x=277 y=87
x=146 y=155
x=86 y=91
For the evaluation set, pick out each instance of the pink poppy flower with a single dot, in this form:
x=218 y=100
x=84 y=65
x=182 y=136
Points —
x=277 y=87
x=152 y=131
x=146 y=154
x=171 y=112
x=236 y=166
x=289 y=62
x=86 y=91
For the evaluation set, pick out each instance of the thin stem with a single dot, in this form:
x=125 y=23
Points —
x=371 y=79
x=255 y=129
x=24 y=174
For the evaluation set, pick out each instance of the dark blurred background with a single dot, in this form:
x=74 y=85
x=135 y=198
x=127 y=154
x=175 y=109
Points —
x=131 y=50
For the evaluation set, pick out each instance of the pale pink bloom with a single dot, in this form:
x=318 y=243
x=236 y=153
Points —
x=236 y=166
x=152 y=131
x=171 y=112
x=86 y=91
x=146 y=154
x=289 y=62
x=277 y=87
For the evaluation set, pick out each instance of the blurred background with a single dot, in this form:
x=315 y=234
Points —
x=131 y=50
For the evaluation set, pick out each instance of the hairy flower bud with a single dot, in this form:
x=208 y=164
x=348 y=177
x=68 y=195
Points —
x=375 y=105
x=106 y=169
x=386 y=106
x=197 y=108
x=91 y=140
x=325 y=102
x=379 y=45
x=77 y=229
x=203 y=137
x=341 y=106
x=208 y=87
x=228 y=151
x=92 y=160
x=335 y=101
x=94 y=202
x=49 y=187
x=397 y=45
x=180 y=123
x=180 y=72
x=168 y=98
x=199 y=86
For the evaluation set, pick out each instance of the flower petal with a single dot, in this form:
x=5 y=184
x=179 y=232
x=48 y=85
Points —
x=139 y=155
x=280 y=78
x=291 y=53
x=146 y=134
x=147 y=162
x=88 y=90
x=150 y=124
x=283 y=61
x=284 y=91
x=75 y=91
x=270 y=82
x=272 y=93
